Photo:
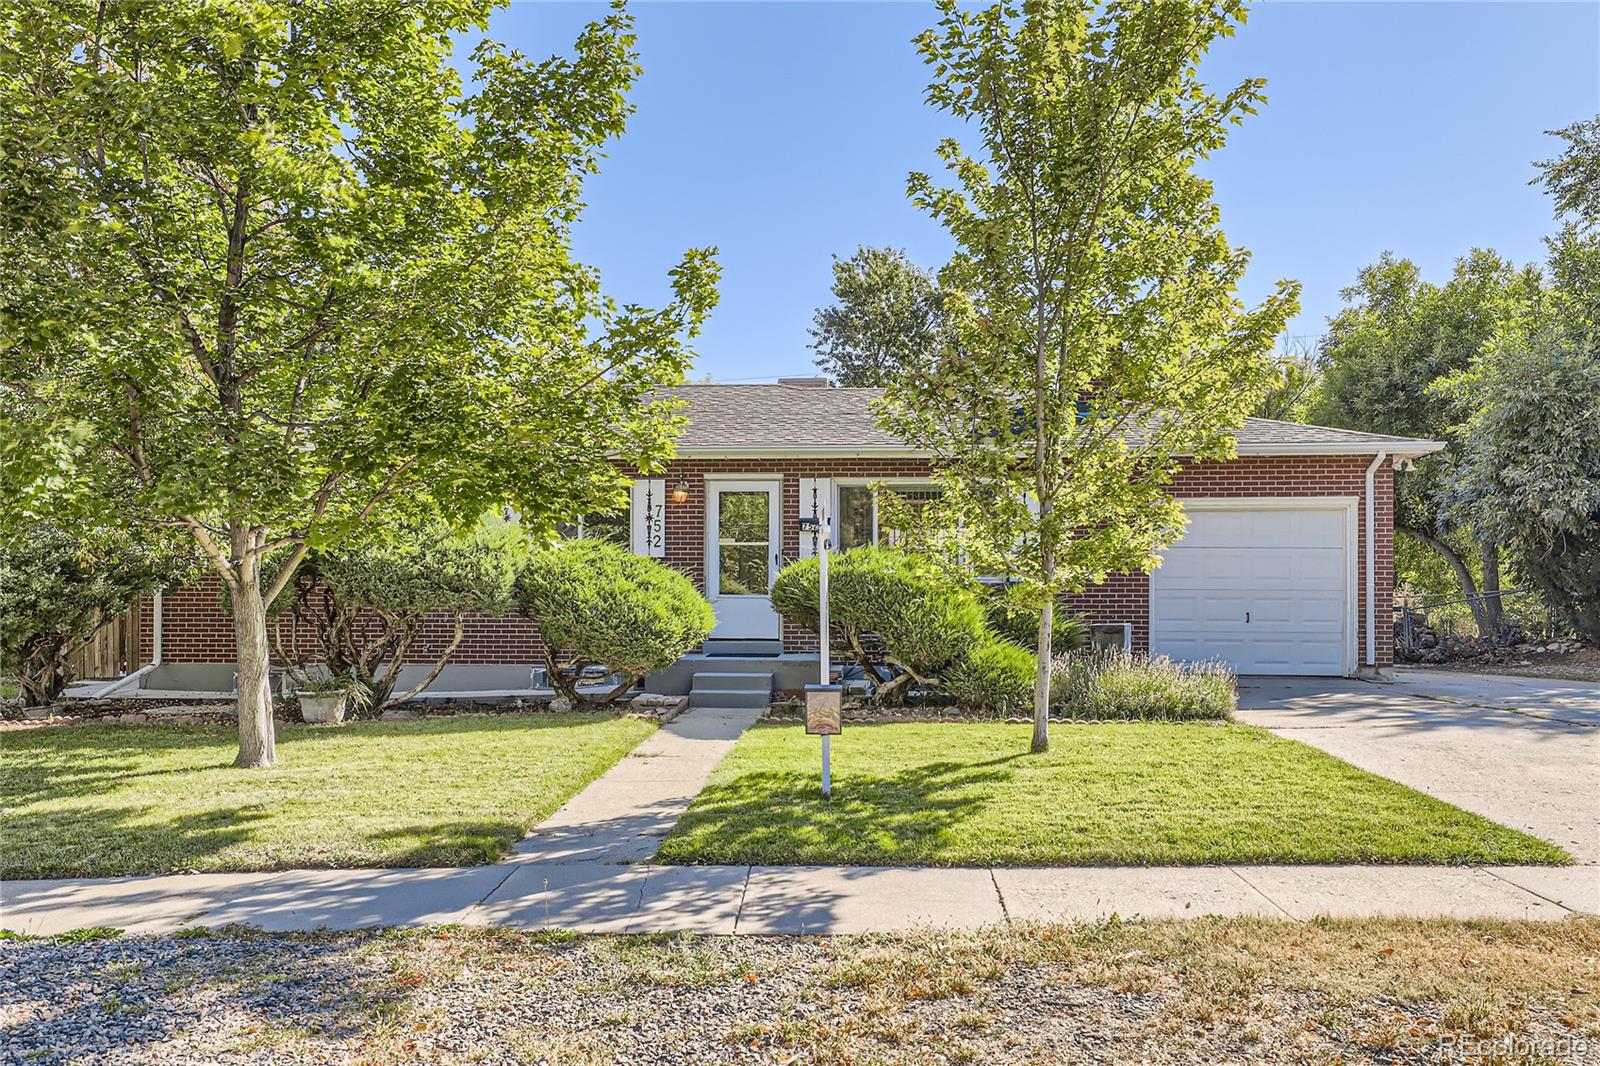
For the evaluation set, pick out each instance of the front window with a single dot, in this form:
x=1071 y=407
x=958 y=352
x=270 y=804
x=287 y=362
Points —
x=611 y=526
x=865 y=519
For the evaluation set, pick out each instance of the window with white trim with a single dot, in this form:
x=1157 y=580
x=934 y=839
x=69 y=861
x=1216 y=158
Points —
x=611 y=526
x=860 y=520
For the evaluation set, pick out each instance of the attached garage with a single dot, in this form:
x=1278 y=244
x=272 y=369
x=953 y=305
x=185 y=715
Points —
x=1267 y=586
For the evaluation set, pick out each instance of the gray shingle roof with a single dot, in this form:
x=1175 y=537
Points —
x=786 y=417
x=802 y=418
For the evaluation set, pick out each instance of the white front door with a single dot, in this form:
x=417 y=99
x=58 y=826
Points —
x=1264 y=588
x=744 y=533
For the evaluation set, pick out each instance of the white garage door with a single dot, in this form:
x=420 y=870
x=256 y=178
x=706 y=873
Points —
x=1266 y=590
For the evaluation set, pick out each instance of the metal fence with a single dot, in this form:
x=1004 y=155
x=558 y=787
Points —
x=1522 y=613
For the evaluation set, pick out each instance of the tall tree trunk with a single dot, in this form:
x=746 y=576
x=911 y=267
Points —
x=257 y=741
x=42 y=673
x=1469 y=587
x=1489 y=557
x=1041 y=678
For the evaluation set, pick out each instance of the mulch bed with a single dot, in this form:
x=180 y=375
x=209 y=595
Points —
x=286 y=711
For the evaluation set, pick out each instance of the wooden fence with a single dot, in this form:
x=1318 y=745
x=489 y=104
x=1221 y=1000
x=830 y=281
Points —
x=112 y=652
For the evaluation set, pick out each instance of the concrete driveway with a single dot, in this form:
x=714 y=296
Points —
x=1522 y=751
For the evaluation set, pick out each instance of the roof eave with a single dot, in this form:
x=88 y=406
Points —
x=1408 y=448
x=792 y=452
x=1401 y=448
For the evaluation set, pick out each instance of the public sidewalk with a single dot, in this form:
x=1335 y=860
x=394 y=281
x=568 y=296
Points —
x=593 y=896
x=585 y=869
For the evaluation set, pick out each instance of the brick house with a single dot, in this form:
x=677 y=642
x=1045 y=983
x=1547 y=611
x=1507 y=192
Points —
x=1287 y=566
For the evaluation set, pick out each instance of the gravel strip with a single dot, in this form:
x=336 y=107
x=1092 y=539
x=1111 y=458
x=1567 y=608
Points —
x=454 y=996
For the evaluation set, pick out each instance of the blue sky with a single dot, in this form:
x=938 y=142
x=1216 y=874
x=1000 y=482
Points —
x=783 y=133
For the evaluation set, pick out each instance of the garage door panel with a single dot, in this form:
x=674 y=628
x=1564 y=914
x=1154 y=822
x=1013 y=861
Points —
x=1176 y=610
x=1325 y=569
x=1212 y=527
x=1320 y=610
x=1268 y=568
x=1223 y=609
x=1201 y=569
x=1297 y=657
x=1273 y=610
x=1194 y=645
x=1285 y=569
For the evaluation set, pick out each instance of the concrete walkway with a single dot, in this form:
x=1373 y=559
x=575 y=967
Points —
x=600 y=897
x=622 y=816
x=585 y=869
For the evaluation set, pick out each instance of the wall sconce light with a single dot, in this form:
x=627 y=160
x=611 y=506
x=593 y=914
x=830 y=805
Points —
x=680 y=491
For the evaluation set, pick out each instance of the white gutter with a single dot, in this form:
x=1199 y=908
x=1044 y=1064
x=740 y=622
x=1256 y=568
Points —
x=155 y=641
x=1371 y=553
x=1409 y=447
x=128 y=681
x=789 y=451
x=1413 y=448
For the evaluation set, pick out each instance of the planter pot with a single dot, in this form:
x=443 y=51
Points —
x=322 y=708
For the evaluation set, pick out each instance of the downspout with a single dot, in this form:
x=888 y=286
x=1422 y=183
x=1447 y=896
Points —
x=131 y=680
x=1370 y=551
x=155 y=630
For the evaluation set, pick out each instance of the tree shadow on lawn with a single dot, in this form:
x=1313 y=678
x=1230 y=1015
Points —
x=441 y=843
x=74 y=761
x=771 y=817
x=64 y=762
x=118 y=841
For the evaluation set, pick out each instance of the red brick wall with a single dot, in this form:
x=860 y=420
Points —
x=195 y=629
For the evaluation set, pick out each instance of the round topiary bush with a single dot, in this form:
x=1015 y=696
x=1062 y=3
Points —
x=1013 y=612
x=997 y=676
x=925 y=617
x=602 y=604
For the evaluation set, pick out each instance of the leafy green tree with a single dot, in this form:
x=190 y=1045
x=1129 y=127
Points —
x=1297 y=378
x=1573 y=176
x=363 y=602
x=1384 y=356
x=293 y=279
x=57 y=589
x=1095 y=331
x=887 y=313
x=1529 y=472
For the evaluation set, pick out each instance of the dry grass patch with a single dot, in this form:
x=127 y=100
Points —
x=1204 y=990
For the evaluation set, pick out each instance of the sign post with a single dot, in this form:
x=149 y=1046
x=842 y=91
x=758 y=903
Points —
x=824 y=701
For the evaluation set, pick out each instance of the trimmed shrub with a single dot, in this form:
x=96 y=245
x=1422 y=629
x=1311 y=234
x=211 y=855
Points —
x=56 y=590
x=925 y=618
x=1124 y=686
x=364 y=602
x=603 y=605
x=1013 y=612
x=997 y=676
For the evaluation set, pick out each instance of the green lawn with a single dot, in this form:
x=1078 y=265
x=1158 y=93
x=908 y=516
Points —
x=103 y=800
x=1137 y=793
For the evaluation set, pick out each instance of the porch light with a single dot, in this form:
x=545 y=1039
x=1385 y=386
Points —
x=680 y=491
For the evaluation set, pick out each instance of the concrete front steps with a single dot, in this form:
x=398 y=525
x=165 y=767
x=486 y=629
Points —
x=731 y=688
x=743 y=648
